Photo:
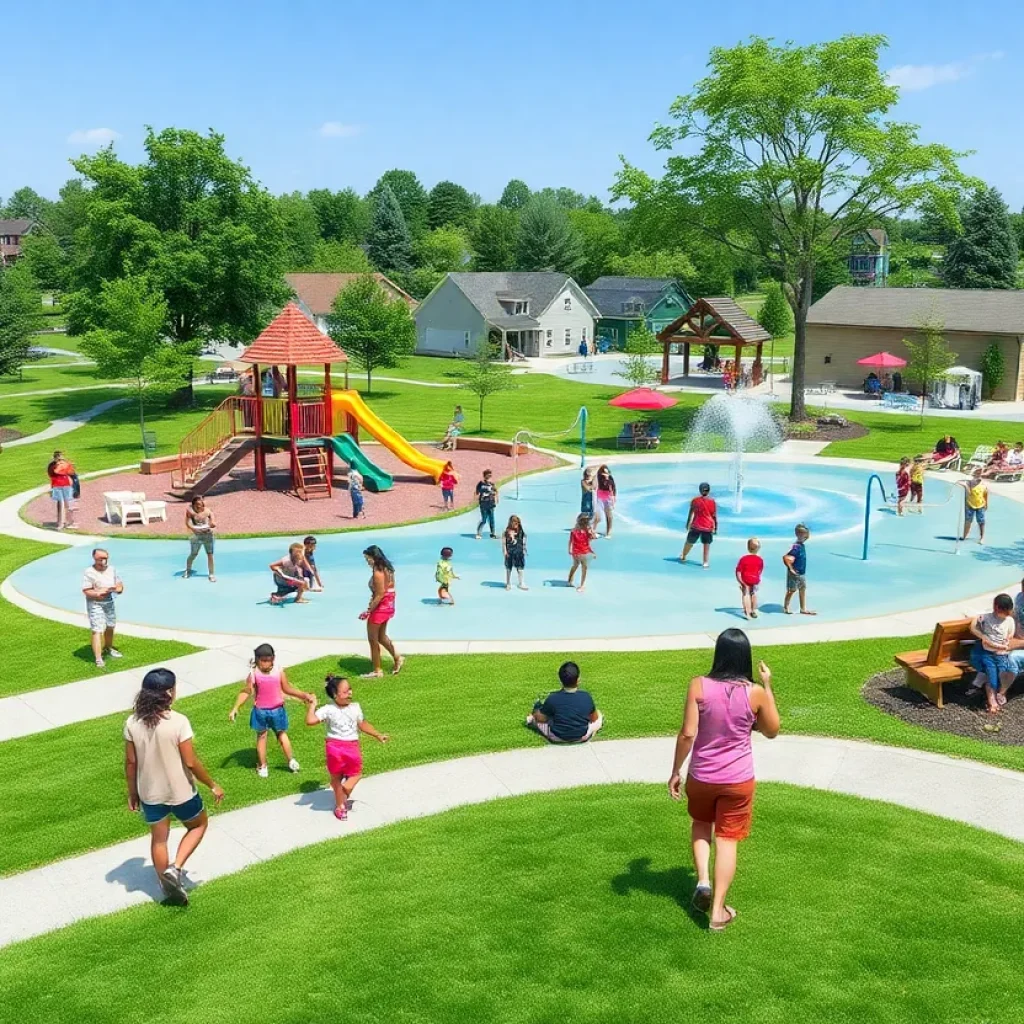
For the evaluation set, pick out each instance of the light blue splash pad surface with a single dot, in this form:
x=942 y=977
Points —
x=636 y=587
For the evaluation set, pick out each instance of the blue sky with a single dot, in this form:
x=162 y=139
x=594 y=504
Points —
x=331 y=93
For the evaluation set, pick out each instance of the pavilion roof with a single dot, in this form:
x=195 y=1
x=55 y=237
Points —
x=292 y=339
x=716 y=319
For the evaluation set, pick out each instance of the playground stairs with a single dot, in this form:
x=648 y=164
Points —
x=201 y=477
x=311 y=477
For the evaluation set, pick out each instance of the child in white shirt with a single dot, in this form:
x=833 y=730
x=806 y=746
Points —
x=994 y=631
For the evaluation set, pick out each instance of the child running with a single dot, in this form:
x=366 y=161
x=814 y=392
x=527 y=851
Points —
x=268 y=687
x=310 y=573
x=902 y=484
x=795 y=561
x=917 y=484
x=975 y=504
x=289 y=577
x=748 y=575
x=345 y=722
x=444 y=574
x=448 y=479
x=513 y=549
x=580 y=550
x=487 y=499
x=355 y=492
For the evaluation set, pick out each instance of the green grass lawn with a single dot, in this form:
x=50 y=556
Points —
x=484 y=698
x=37 y=376
x=569 y=906
x=40 y=653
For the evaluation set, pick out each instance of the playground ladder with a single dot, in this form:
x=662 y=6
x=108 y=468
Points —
x=311 y=477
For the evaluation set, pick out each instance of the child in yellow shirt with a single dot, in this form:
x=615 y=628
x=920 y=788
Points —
x=917 y=484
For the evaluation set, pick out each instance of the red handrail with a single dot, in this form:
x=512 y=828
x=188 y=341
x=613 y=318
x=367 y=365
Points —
x=309 y=419
x=235 y=415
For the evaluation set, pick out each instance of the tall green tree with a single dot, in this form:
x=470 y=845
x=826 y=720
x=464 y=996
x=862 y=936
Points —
x=195 y=225
x=486 y=375
x=27 y=203
x=341 y=216
x=129 y=343
x=600 y=237
x=789 y=152
x=775 y=316
x=389 y=245
x=436 y=253
x=45 y=259
x=673 y=264
x=69 y=213
x=374 y=330
x=449 y=203
x=570 y=199
x=985 y=255
x=928 y=356
x=515 y=195
x=338 y=258
x=993 y=368
x=19 y=316
x=494 y=239
x=301 y=229
x=547 y=241
x=411 y=196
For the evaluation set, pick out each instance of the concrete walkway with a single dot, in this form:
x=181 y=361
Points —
x=67 y=423
x=111 y=879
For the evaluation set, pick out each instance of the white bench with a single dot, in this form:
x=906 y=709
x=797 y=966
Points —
x=825 y=387
x=581 y=366
x=126 y=505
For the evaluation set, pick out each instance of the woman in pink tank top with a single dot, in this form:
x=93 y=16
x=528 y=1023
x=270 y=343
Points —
x=722 y=709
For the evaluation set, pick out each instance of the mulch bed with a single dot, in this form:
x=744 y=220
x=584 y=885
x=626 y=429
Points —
x=828 y=433
x=963 y=715
x=6 y=434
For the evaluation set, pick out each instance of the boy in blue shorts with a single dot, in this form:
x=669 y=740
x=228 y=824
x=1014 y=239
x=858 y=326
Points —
x=795 y=561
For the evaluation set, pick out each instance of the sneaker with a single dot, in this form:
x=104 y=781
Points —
x=293 y=765
x=171 y=882
x=702 y=898
x=263 y=771
x=100 y=663
x=113 y=652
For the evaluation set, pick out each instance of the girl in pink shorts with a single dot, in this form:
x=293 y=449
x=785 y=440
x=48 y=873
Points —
x=345 y=722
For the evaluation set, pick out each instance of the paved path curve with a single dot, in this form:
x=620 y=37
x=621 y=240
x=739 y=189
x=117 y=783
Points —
x=67 y=423
x=120 y=876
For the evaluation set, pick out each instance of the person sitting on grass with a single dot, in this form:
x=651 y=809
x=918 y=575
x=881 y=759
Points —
x=568 y=715
x=288 y=576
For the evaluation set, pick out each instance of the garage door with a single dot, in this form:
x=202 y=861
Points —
x=437 y=340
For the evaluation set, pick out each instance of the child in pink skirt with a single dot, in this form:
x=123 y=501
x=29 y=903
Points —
x=345 y=722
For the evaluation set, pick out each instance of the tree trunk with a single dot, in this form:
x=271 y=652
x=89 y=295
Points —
x=481 y=417
x=142 y=420
x=369 y=372
x=797 y=404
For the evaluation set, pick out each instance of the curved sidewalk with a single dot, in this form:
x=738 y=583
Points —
x=67 y=423
x=111 y=879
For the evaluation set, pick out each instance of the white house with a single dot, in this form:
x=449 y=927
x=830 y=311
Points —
x=537 y=314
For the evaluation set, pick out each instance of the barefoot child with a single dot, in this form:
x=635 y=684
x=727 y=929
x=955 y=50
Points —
x=748 y=575
x=902 y=484
x=795 y=561
x=975 y=505
x=444 y=574
x=580 y=551
x=355 y=491
x=990 y=656
x=513 y=549
x=345 y=722
x=448 y=479
x=200 y=524
x=310 y=573
x=288 y=576
x=487 y=499
x=917 y=484
x=268 y=687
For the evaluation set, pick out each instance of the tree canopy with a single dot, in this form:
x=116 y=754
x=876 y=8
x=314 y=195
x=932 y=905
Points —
x=301 y=229
x=788 y=153
x=494 y=238
x=547 y=240
x=486 y=375
x=411 y=197
x=19 y=315
x=341 y=216
x=515 y=195
x=389 y=245
x=985 y=255
x=449 y=204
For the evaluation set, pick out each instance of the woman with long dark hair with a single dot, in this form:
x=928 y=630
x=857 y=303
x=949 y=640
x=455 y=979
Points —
x=721 y=710
x=160 y=766
x=606 y=494
x=380 y=611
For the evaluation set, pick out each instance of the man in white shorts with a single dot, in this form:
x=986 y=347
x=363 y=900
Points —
x=99 y=584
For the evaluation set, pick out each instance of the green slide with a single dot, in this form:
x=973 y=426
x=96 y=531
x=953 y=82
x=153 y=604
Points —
x=374 y=478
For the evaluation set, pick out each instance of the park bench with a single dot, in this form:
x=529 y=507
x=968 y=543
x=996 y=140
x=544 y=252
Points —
x=945 y=661
x=581 y=366
x=824 y=387
x=899 y=400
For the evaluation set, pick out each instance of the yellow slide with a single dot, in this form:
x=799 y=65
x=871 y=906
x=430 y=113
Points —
x=350 y=402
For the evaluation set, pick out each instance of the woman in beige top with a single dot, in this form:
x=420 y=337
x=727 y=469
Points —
x=160 y=764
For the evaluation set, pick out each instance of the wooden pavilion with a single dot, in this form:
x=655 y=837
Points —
x=716 y=321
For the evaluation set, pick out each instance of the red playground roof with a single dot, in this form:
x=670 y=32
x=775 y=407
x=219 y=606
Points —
x=292 y=339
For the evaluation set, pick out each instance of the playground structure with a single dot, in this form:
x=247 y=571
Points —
x=313 y=427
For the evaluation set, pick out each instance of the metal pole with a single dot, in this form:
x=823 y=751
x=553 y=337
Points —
x=867 y=512
x=583 y=436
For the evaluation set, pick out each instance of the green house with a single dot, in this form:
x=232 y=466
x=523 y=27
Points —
x=624 y=302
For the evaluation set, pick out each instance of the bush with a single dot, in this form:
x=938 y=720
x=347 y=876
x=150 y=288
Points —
x=993 y=369
x=775 y=315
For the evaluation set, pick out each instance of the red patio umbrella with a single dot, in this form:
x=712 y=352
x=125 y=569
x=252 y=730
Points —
x=883 y=361
x=643 y=399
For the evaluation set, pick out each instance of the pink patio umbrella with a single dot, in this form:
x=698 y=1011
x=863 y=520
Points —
x=883 y=361
x=642 y=399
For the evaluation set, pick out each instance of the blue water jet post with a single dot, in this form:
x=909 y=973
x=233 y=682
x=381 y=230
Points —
x=867 y=511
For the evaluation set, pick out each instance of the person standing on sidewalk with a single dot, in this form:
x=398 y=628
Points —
x=721 y=710
x=99 y=584
x=160 y=766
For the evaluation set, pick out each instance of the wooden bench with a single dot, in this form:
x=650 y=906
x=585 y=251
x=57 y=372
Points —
x=946 y=661
x=486 y=444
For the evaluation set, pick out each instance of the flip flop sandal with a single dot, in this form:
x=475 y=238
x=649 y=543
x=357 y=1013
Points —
x=701 y=899
x=399 y=665
x=720 y=926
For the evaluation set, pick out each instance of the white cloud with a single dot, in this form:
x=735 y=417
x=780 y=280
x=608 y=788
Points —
x=339 y=130
x=93 y=136
x=915 y=77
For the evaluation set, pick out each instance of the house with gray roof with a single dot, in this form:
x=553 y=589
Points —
x=625 y=302
x=12 y=230
x=534 y=314
x=850 y=323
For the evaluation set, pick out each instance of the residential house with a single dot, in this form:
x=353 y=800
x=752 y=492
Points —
x=535 y=314
x=625 y=302
x=315 y=293
x=869 y=258
x=851 y=323
x=11 y=234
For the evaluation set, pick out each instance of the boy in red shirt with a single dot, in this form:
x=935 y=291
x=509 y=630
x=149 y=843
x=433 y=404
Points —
x=748 y=576
x=701 y=524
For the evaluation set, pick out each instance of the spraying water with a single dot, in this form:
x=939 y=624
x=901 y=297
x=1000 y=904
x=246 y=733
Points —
x=735 y=424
